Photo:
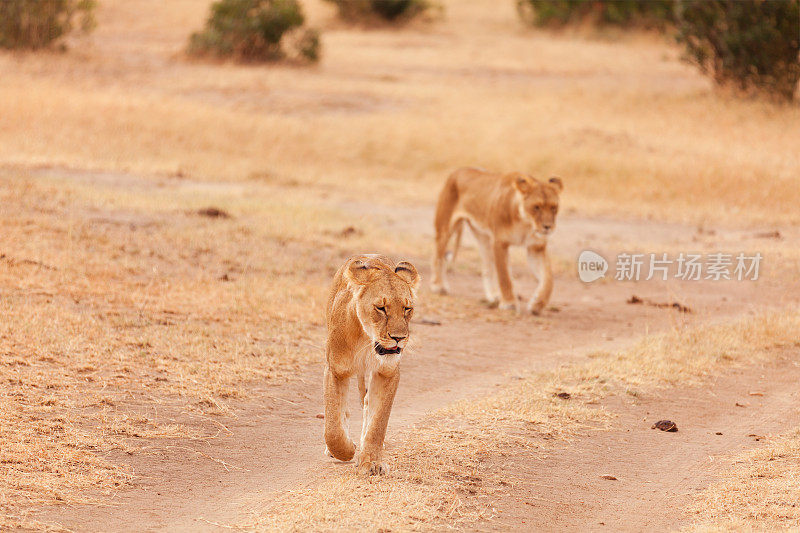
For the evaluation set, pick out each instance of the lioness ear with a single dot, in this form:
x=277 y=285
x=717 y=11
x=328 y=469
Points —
x=522 y=183
x=408 y=273
x=556 y=182
x=360 y=272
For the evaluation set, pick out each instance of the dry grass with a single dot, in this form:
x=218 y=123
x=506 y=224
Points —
x=128 y=316
x=441 y=475
x=758 y=490
x=117 y=297
x=621 y=121
x=45 y=458
x=433 y=478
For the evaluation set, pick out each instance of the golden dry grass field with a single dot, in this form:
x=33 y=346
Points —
x=150 y=345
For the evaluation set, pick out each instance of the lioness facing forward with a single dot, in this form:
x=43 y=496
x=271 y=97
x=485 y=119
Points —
x=501 y=210
x=369 y=308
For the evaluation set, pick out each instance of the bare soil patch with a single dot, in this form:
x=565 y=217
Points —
x=273 y=442
x=657 y=474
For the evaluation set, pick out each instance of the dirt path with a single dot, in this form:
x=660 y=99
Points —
x=275 y=440
x=657 y=473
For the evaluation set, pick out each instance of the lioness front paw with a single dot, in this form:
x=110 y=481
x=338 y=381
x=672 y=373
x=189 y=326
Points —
x=346 y=454
x=373 y=468
x=438 y=288
x=536 y=308
x=491 y=303
x=329 y=454
x=508 y=306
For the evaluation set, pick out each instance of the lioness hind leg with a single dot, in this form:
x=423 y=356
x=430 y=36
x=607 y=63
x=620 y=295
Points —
x=338 y=443
x=443 y=225
x=539 y=261
x=439 y=283
x=500 y=251
x=377 y=408
x=488 y=272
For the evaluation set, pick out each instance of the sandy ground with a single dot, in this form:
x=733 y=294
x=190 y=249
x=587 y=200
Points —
x=274 y=443
x=147 y=136
x=656 y=473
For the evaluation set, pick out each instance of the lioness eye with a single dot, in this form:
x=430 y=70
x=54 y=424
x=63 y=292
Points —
x=536 y=208
x=409 y=309
x=381 y=309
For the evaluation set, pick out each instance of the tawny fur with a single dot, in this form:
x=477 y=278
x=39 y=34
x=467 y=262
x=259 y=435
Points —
x=502 y=210
x=371 y=302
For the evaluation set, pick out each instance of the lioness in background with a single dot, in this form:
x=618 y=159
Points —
x=369 y=308
x=502 y=210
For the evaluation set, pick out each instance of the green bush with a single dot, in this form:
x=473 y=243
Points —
x=752 y=45
x=381 y=10
x=36 y=24
x=556 y=13
x=255 y=30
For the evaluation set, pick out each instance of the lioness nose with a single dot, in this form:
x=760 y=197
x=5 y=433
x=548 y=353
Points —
x=398 y=338
x=547 y=226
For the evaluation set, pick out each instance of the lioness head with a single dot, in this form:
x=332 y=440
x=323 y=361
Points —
x=384 y=297
x=538 y=201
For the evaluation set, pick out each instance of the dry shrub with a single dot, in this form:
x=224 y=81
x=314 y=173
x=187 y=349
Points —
x=382 y=11
x=621 y=13
x=750 y=45
x=40 y=23
x=256 y=30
